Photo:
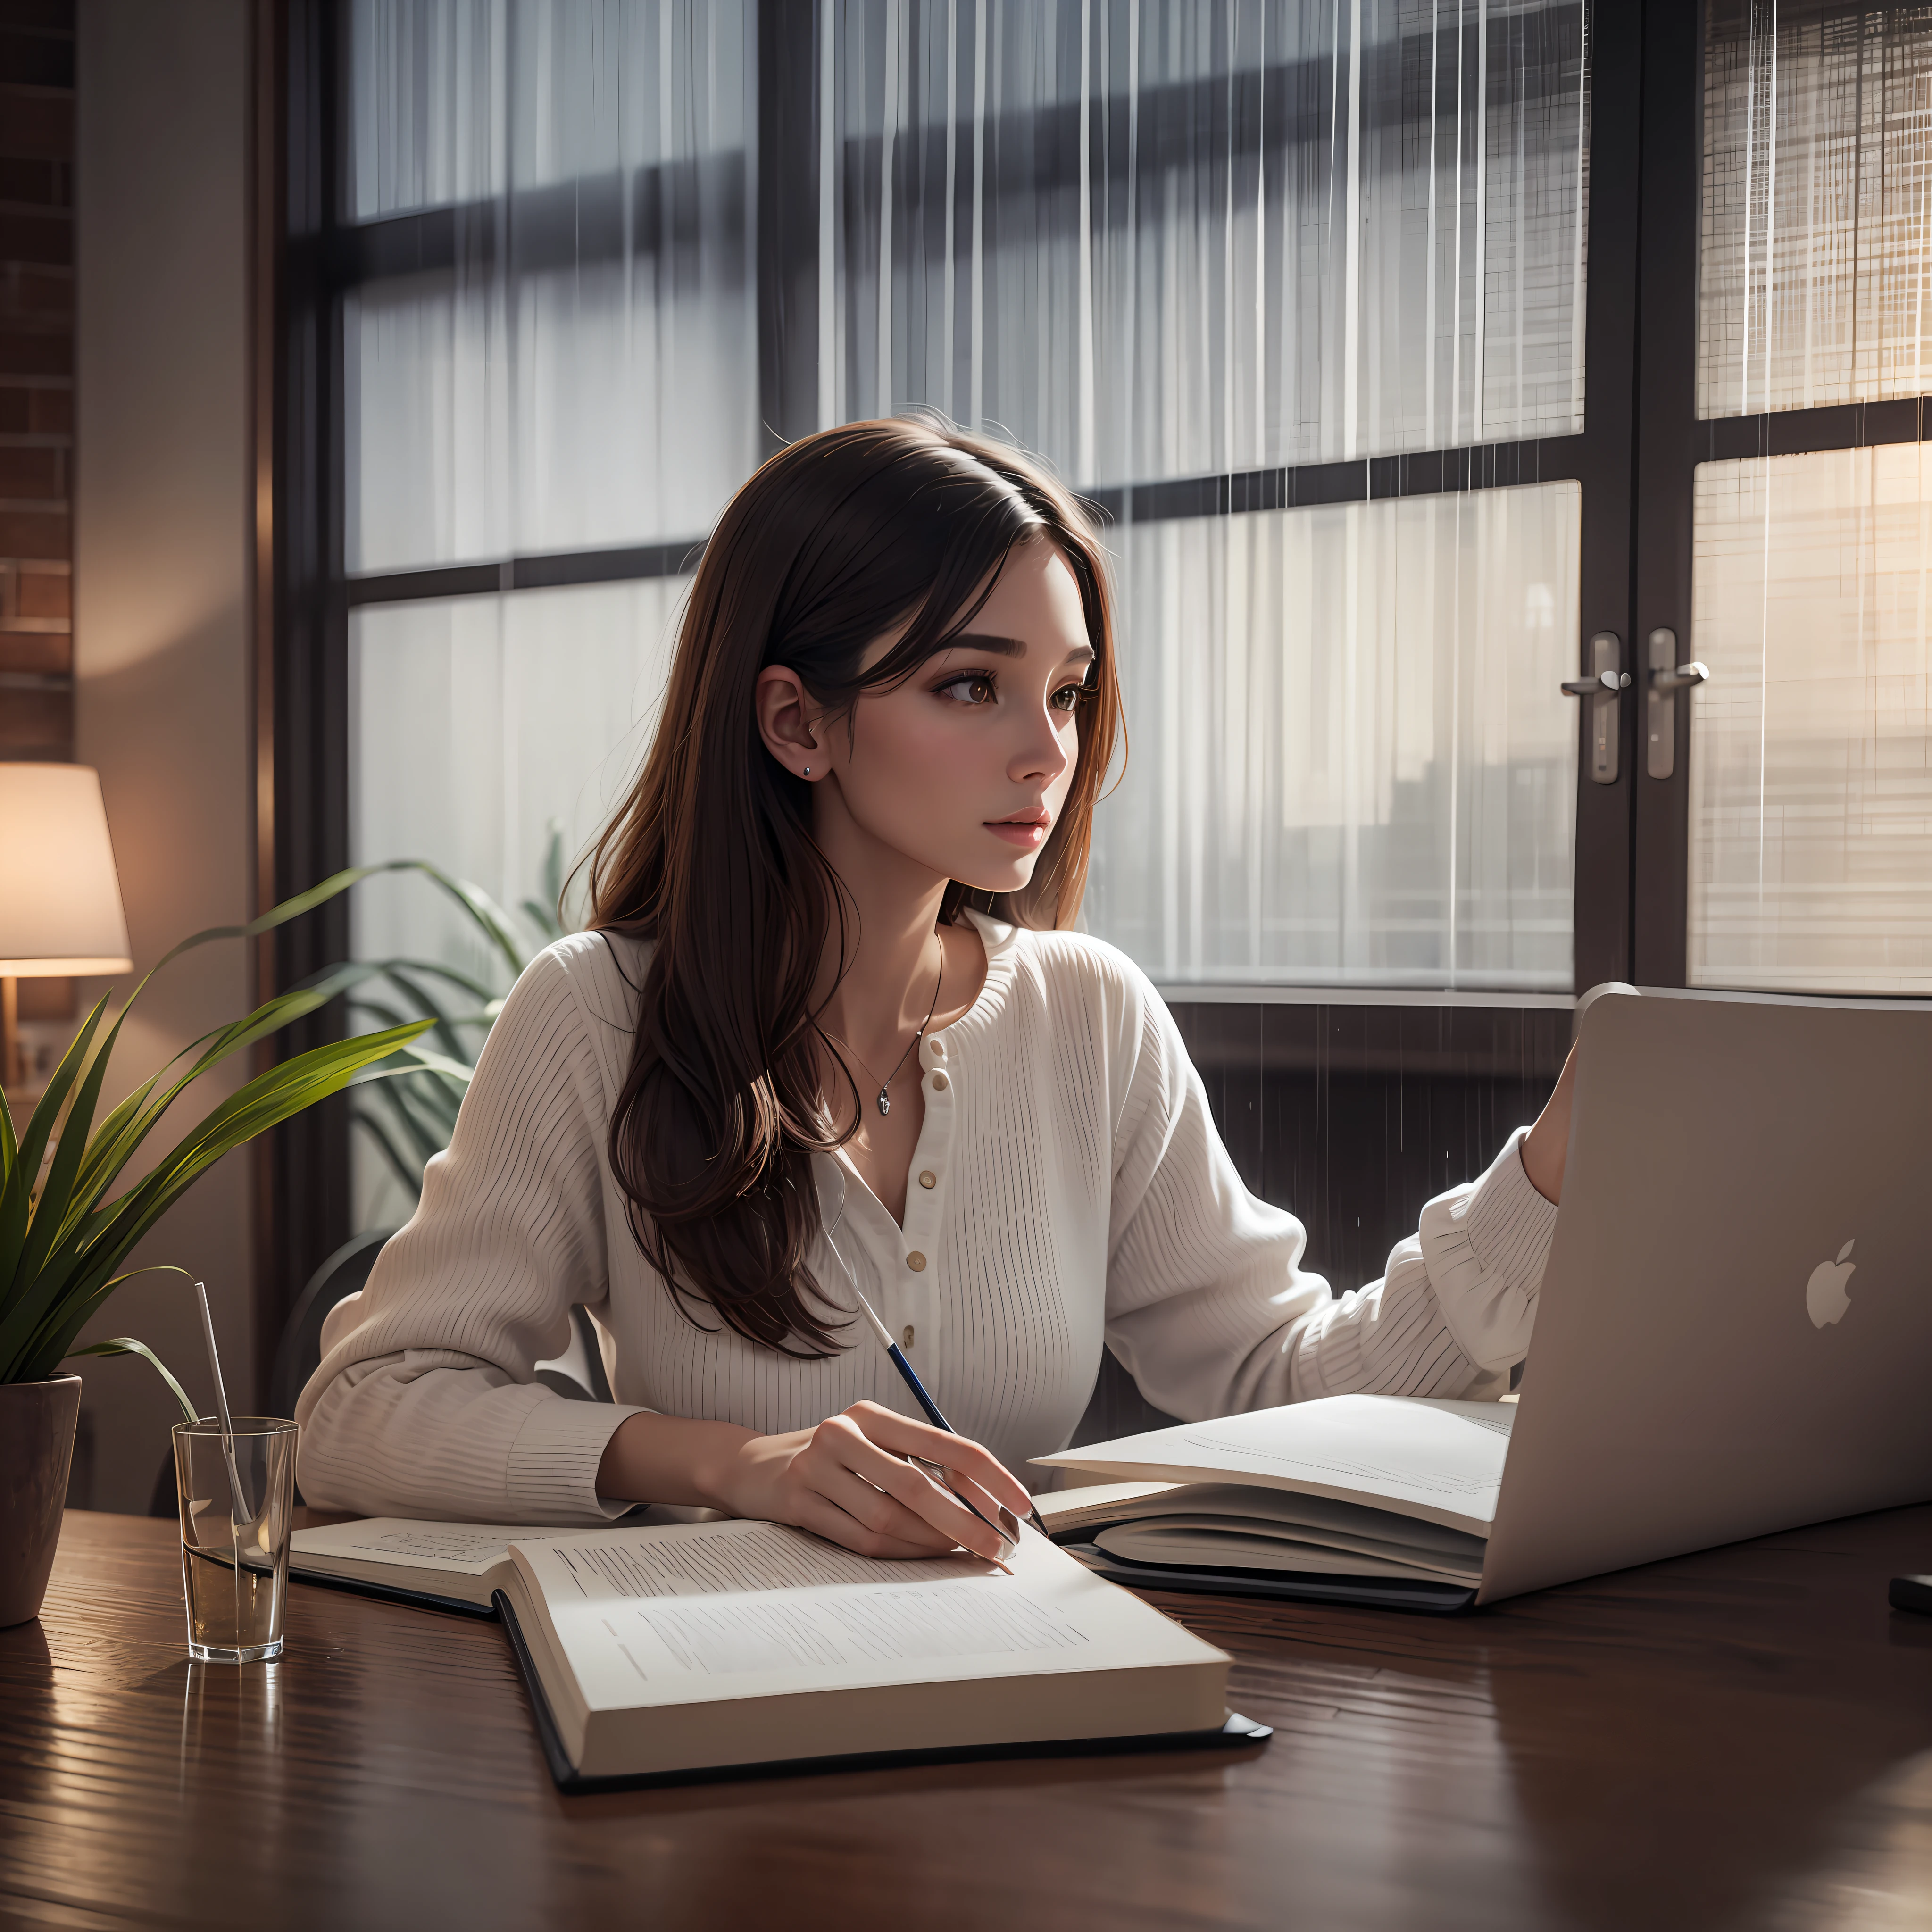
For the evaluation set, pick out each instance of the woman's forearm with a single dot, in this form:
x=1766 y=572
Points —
x=1546 y=1147
x=669 y=1459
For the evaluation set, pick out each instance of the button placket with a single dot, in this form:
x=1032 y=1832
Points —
x=921 y=1227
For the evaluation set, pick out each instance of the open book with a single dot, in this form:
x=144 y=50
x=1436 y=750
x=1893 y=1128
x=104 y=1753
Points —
x=660 y=1652
x=1383 y=1499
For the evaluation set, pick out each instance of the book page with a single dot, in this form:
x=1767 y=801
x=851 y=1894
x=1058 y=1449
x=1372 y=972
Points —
x=1218 y=1542
x=1440 y=1461
x=731 y=1610
x=1097 y=1502
x=1349 y=1525
x=461 y=1549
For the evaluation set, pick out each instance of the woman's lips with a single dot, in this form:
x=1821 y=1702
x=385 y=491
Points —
x=1026 y=836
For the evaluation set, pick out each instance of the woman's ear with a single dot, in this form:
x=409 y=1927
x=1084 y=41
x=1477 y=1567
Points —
x=783 y=711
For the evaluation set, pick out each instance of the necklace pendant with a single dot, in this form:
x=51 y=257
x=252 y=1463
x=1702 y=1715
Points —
x=885 y=1102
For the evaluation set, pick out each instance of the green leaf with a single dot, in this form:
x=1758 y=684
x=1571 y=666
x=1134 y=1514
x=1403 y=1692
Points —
x=426 y=1135
x=50 y=1213
x=485 y=913
x=446 y=1027
x=126 y=1345
x=553 y=864
x=131 y=1122
x=35 y=1320
x=408 y=1176
x=434 y=970
x=10 y=1148
x=16 y=1199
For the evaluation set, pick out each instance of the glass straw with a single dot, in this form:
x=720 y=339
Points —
x=238 y=1502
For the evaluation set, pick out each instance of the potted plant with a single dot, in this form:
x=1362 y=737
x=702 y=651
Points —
x=65 y=1233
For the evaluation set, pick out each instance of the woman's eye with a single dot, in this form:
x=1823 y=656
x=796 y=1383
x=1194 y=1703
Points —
x=974 y=687
x=1068 y=696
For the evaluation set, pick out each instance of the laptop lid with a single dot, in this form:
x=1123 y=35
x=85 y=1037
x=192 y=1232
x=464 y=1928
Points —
x=1734 y=1332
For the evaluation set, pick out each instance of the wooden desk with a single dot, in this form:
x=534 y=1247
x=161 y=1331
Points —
x=1740 y=1738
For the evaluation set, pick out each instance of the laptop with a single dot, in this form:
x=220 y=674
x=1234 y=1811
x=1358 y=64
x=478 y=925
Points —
x=1734 y=1333
x=1733 y=1336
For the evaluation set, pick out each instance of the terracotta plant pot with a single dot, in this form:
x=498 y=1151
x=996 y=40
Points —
x=37 y=1422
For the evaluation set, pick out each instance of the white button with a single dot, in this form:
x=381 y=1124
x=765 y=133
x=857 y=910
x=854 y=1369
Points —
x=927 y=1178
x=938 y=1048
x=915 y=1261
x=907 y=1337
x=939 y=1083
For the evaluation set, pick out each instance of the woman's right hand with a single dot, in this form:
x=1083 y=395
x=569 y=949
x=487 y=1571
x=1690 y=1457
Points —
x=848 y=1480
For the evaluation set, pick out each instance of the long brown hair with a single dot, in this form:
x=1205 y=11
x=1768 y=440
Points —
x=835 y=541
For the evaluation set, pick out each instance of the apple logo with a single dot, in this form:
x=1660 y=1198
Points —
x=1824 y=1297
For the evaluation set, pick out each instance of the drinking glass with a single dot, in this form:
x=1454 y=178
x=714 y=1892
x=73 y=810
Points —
x=234 y=1519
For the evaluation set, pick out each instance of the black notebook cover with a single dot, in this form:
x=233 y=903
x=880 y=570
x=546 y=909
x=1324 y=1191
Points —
x=1236 y=1733
x=421 y=1599
x=1390 y=1593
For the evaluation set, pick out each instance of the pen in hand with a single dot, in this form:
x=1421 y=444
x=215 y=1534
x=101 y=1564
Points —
x=912 y=1381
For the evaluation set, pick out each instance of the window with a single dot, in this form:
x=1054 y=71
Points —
x=1296 y=295
x=1810 y=865
x=1164 y=245
x=1423 y=357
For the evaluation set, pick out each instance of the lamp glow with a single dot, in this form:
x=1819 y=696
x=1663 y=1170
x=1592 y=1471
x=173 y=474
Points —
x=60 y=896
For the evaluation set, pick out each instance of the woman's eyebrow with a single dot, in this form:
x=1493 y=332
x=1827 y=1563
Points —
x=1008 y=647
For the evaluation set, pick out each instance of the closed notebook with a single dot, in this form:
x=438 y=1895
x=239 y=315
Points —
x=1374 y=1499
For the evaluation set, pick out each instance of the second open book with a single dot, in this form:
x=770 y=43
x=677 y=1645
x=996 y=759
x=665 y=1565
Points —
x=1364 y=1498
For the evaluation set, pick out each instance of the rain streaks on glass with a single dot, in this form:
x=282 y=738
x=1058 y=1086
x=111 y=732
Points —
x=1159 y=237
x=1147 y=238
x=1816 y=262
x=582 y=371
x=1349 y=763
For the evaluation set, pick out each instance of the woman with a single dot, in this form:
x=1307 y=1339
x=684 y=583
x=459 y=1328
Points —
x=830 y=1031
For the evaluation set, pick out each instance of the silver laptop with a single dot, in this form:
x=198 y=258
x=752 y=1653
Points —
x=1734 y=1333
x=1733 y=1336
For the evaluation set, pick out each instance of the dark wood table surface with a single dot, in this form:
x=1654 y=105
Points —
x=1738 y=1739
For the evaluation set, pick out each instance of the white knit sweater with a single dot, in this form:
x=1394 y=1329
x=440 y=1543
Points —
x=1080 y=1196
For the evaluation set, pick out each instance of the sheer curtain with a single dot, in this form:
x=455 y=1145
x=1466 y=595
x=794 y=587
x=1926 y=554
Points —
x=1816 y=257
x=1810 y=865
x=1159 y=238
x=584 y=373
x=1346 y=769
x=577 y=370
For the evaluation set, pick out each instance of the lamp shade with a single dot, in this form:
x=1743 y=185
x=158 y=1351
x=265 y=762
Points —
x=60 y=897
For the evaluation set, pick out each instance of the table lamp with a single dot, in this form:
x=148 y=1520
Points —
x=60 y=897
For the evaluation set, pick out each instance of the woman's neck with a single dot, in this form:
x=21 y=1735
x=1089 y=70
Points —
x=895 y=947
x=894 y=973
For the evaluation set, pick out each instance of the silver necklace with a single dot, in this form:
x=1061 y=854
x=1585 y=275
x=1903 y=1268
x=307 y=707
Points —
x=885 y=1095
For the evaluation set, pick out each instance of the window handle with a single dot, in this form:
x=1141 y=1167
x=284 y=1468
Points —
x=1605 y=680
x=1667 y=678
x=1682 y=679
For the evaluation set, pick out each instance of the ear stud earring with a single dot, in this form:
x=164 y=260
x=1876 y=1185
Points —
x=807 y=771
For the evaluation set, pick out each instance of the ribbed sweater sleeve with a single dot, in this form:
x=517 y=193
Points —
x=1209 y=1307
x=425 y=1403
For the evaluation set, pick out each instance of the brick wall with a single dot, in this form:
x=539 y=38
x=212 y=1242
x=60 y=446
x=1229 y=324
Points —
x=37 y=400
